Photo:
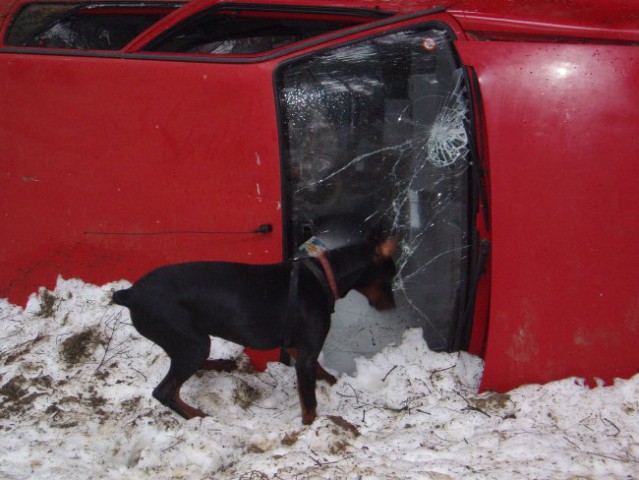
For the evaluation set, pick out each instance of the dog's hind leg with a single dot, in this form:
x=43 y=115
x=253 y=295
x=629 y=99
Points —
x=171 y=329
x=185 y=361
x=168 y=390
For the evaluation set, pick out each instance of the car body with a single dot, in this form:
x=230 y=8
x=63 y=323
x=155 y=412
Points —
x=497 y=139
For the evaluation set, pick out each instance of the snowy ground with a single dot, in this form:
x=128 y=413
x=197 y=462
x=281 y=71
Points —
x=75 y=403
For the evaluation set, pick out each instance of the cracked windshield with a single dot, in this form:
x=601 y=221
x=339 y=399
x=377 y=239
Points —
x=377 y=132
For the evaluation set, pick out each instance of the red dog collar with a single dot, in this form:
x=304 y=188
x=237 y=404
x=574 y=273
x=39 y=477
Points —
x=330 y=276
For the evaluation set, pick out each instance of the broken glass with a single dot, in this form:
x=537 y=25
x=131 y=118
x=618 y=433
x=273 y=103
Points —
x=377 y=132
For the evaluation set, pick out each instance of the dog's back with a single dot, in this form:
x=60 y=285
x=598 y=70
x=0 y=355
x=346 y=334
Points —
x=241 y=303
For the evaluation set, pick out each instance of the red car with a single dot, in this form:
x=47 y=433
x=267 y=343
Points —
x=497 y=139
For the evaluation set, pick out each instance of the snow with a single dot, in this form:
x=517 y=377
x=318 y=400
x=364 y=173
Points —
x=75 y=396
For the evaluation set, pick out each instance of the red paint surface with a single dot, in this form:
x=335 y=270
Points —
x=102 y=145
x=108 y=146
x=562 y=125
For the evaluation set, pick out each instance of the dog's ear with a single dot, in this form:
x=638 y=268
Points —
x=387 y=248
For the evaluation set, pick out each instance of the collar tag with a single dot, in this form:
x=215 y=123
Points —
x=313 y=247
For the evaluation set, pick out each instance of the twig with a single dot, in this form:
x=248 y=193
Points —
x=321 y=464
x=138 y=372
x=12 y=349
x=317 y=462
x=469 y=406
x=609 y=422
x=254 y=475
x=350 y=396
x=434 y=372
x=111 y=351
x=388 y=373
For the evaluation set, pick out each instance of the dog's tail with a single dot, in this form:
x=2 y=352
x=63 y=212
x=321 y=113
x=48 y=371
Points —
x=122 y=297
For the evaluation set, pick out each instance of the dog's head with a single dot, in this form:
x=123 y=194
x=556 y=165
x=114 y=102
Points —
x=377 y=283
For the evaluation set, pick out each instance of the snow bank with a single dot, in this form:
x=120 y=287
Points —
x=75 y=396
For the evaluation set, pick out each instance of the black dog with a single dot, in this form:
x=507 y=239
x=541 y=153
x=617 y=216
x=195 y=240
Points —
x=263 y=307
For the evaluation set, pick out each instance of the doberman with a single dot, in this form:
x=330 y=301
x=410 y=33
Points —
x=262 y=307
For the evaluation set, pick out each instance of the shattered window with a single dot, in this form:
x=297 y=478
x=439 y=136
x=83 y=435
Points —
x=108 y=26
x=377 y=131
x=244 y=32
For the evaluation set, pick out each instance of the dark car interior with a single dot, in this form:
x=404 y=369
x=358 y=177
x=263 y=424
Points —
x=108 y=26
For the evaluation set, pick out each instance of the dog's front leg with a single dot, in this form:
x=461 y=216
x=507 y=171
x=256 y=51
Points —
x=305 y=367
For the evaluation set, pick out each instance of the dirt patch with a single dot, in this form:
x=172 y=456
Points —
x=78 y=347
x=338 y=447
x=493 y=403
x=131 y=404
x=18 y=394
x=48 y=304
x=344 y=425
x=290 y=438
x=14 y=389
x=245 y=395
x=95 y=400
